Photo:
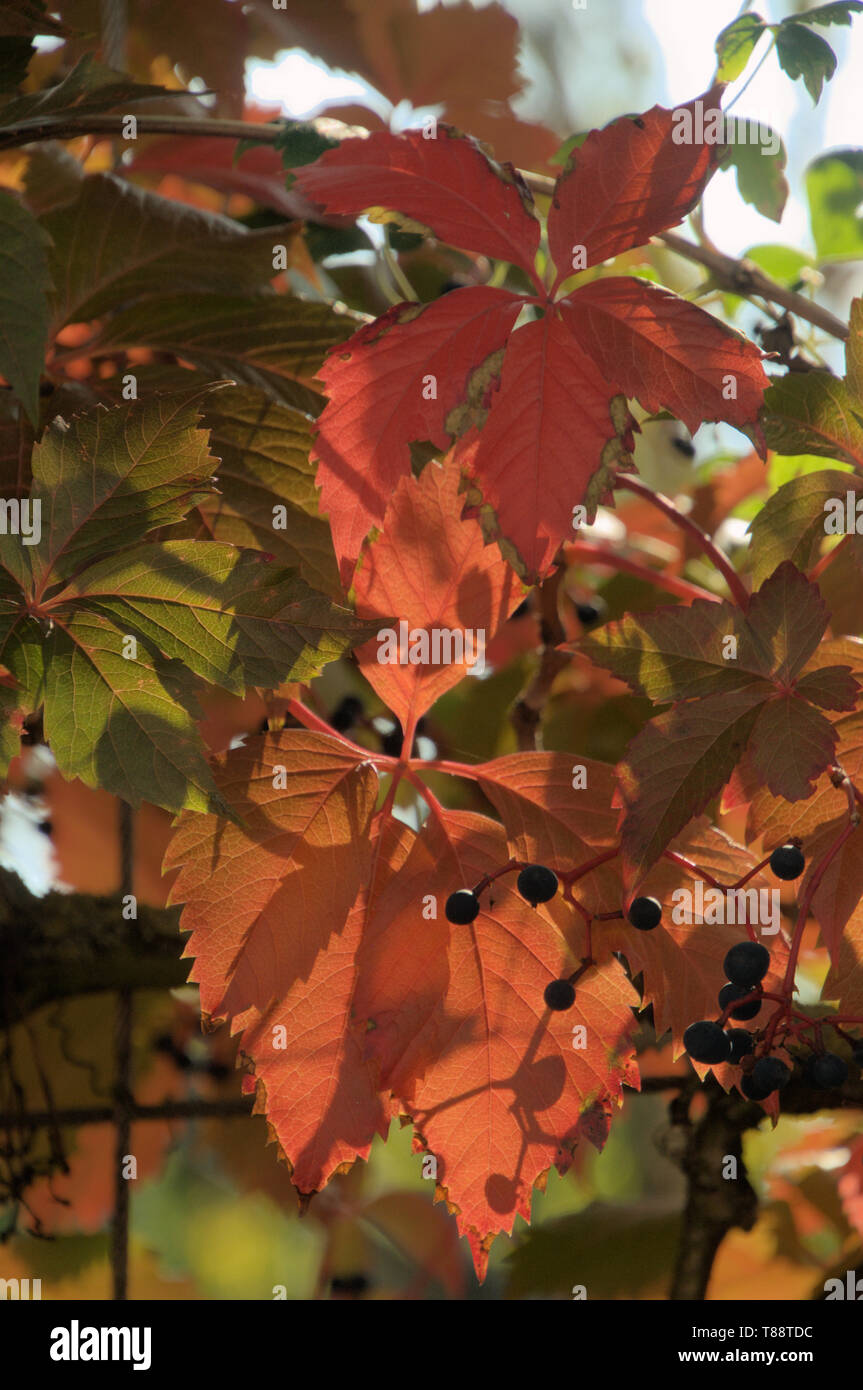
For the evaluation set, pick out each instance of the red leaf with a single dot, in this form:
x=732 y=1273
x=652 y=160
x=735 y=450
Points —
x=258 y=173
x=304 y=832
x=831 y=687
x=790 y=744
x=551 y=821
x=445 y=184
x=316 y=1086
x=626 y=183
x=277 y=907
x=668 y=354
x=379 y=384
x=551 y=440
x=493 y=1081
x=435 y=573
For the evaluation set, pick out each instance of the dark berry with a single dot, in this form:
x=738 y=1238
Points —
x=391 y=743
x=787 y=862
x=746 y=964
x=729 y=993
x=589 y=614
x=684 y=446
x=826 y=1071
x=351 y=1285
x=752 y=1089
x=706 y=1042
x=346 y=713
x=769 y=1074
x=537 y=884
x=559 y=995
x=462 y=907
x=742 y=1043
x=644 y=913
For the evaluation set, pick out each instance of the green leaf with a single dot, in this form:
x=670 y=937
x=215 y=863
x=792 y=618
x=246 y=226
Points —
x=574 y=142
x=814 y=413
x=275 y=342
x=24 y=285
x=834 y=187
x=760 y=175
x=144 y=243
x=264 y=451
x=111 y=476
x=838 y=12
x=804 y=54
x=15 y=55
x=123 y=723
x=228 y=615
x=614 y=1251
x=735 y=43
x=676 y=653
x=88 y=88
x=782 y=263
x=301 y=143
x=790 y=525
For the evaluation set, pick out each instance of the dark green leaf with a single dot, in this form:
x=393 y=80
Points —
x=760 y=174
x=24 y=285
x=804 y=54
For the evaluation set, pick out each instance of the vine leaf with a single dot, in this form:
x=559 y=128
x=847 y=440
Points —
x=435 y=574
x=497 y=1087
x=445 y=183
x=683 y=758
x=395 y=380
x=537 y=411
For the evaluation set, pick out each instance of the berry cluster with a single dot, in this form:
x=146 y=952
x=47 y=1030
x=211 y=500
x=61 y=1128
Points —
x=538 y=884
x=745 y=966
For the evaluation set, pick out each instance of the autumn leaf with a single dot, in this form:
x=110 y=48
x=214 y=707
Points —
x=628 y=182
x=277 y=907
x=557 y=810
x=681 y=960
x=398 y=379
x=683 y=757
x=546 y=429
x=445 y=184
x=563 y=446
x=453 y=584
x=494 y=1083
x=650 y=344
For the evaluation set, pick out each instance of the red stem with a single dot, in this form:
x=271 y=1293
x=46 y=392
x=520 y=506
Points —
x=702 y=540
x=595 y=553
